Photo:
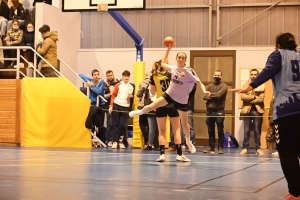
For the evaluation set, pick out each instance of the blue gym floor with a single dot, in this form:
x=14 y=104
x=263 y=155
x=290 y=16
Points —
x=133 y=174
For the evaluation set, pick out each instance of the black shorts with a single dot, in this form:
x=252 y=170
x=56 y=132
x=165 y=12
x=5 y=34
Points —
x=166 y=111
x=174 y=104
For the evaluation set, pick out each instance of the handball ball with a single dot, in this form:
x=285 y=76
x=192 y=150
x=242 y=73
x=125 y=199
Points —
x=168 y=40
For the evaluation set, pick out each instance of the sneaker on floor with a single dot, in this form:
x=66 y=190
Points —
x=182 y=158
x=220 y=150
x=109 y=144
x=135 y=113
x=209 y=150
x=114 y=145
x=244 y=151
x=161 y=158
x=122 y=146
x=259 y=152
x=148 y=148
x=192 y=148
x=275 y=153
x=290 y=197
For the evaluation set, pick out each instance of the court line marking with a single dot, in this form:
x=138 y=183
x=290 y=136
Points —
x=266 y=186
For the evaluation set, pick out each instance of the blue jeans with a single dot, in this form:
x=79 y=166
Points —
x=192 y=130
x=256 y=123
x=152 y=128
x=212 y=119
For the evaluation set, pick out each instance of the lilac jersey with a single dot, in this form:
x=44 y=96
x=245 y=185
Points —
x=182 y=83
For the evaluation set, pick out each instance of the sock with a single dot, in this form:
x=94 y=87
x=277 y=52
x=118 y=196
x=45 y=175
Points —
x=162 y=149
x=178 y=149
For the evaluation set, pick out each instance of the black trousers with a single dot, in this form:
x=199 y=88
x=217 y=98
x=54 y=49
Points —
x=119 y=121
x=287 y=137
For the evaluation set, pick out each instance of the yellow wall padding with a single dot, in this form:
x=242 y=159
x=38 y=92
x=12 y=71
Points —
x=53 y=114
x=138 y=76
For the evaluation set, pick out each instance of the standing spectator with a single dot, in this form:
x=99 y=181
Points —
x=17 y=12
x=121 y=101
x=252 y=112
x=4 y=15
x=143 y=121
x=191 y=103
x=96 y=85
x=215 y=112
x=110 y=84
x=48 y=50
x=283 y=68
x=13 y=38
x=28 y=40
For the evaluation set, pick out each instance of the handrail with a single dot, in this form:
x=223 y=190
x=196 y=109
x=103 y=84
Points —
x=34 y=69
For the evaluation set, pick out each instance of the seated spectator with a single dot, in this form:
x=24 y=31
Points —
x=48 y=51
x=13 y=38
x=28 y=40
x=4 y=15
x=16 y=12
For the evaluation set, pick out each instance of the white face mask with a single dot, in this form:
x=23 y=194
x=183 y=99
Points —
x=15 y=27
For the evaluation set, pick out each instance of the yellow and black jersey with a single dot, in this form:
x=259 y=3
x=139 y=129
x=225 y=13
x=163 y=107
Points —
x=161 y=82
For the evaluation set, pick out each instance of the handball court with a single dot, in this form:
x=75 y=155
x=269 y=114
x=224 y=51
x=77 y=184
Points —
x=39 y=173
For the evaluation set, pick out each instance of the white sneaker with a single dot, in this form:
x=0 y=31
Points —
x=114 y=145
x=275 y=153
x=122 y=146
x=192 y=148
x=30 y=65
x=259 y=152
x=109 y=143
x=135 y=113
x=161 y=158
x=182 y=158
x=244 y=151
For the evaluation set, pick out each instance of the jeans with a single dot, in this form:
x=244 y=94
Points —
x=119 y=121
x=152 y=128
x=3 y=26
x=192 y=130
x=257 y=122
x=108 y=127
x=143 y=123
x=212 y=119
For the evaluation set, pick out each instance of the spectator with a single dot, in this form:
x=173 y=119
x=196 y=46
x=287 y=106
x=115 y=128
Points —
x=48 y=50
x=28 y=40
x=252 y=110
x=13 y=38
x=4 y=15
x=110 y=83
x=215 y=112
x=17 y=12
x=96 y=85
x=121 y=101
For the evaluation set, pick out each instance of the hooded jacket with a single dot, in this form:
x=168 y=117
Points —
x=49 y=49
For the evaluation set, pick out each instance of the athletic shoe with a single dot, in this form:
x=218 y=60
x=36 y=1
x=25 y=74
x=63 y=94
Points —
x=259 y=152
x=192 y=148
x=209 y=150
x=148 y=148
x=161 y=158
x=182 y=158
x=114 y=145
x=275 y=153
x=109 y=143
x=244 y=151
x=290 y=197
x=220 y=150
x=135 y=113
x=122 y=146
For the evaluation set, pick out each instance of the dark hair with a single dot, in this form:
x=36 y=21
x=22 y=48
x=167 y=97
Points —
x=286 y=41
x=95 y=70
x=126 y=73
x=45 y=28
x=156 y=67
x=109 y=71
x=254 y=70
x=217 y=70
x=182 y=53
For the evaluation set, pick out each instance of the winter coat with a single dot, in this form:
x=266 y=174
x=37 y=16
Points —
x=49 y=49
x=15 y=37
x=28 y=39
x=4 y=10
x=20 y=13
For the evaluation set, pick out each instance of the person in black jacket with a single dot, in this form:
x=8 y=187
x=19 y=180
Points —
x=4 y=15
x=28 y=40
x=16 y=12
x=42 y=1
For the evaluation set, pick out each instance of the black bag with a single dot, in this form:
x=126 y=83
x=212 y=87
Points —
x=83 y=89
x=270 y=137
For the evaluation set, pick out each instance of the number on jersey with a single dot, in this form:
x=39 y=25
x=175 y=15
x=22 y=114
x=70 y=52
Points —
x=295 y=70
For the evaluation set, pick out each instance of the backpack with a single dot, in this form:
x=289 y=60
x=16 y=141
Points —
x=230 y=141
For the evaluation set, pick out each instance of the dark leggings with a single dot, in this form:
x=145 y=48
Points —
x=287 y=136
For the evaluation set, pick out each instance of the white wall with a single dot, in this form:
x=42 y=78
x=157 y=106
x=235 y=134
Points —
x=68 y=25
x=119 y=60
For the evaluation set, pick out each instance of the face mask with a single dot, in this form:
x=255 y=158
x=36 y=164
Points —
x=217 y=79
x=30 y=31
x=15 y=27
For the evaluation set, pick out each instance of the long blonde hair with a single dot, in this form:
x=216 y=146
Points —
x=156 y=67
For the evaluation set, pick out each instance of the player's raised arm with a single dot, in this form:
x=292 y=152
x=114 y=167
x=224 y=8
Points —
x=164 y=62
